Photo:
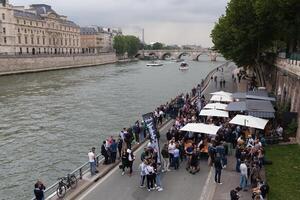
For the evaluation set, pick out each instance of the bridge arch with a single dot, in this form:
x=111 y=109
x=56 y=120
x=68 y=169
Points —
x=183 y=54
x=153 y=54
x=164 y=55
x=200 y=54
x=138 y=55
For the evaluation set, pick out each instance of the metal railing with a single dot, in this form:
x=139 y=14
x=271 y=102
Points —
x=78 y=172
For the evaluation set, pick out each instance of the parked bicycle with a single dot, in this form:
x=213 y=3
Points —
x=65 y=183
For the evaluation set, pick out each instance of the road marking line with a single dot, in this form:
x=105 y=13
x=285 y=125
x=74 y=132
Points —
x=205 y=195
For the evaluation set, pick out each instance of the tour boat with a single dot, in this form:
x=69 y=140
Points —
x=184 y=66
x=154 y=64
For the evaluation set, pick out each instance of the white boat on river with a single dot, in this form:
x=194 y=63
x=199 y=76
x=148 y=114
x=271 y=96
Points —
x=154 y=64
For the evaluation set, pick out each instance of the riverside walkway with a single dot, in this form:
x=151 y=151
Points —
x=177 y=184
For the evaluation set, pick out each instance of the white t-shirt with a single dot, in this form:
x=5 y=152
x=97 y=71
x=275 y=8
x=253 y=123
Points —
x=91 y=156
x=244 y=170
x=171 y=148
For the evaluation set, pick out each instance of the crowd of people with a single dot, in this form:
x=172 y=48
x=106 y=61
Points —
x=191 y=147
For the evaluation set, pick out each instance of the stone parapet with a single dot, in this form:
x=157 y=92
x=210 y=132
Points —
x=13 y=65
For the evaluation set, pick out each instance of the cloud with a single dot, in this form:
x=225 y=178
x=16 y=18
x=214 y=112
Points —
x=159 y=13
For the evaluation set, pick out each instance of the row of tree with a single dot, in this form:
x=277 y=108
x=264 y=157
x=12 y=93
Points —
x=252 y=27
x=132 y=44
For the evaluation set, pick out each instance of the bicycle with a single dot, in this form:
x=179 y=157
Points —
x=65 y=183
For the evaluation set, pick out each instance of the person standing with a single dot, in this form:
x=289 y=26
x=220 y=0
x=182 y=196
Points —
x=104 y=152
x=142 y=168
x=171 y=148
x=92 y=161
x=243 y=176
x=165 y=158
x=149 y=174
x=218 y=169
x=39 y=189
x=176 y=158
x=113 y=149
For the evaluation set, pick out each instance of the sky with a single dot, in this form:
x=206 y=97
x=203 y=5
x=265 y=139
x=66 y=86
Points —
x=167 y=21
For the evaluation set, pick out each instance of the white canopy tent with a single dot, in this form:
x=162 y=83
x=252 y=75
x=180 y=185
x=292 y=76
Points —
x=214 y=113
x=222 y=93
x=220 y=98
x=201 y=128
x=219 y=106
x=249 y=121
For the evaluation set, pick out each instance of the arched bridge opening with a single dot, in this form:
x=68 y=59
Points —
x=182 y=55
x=165 y=56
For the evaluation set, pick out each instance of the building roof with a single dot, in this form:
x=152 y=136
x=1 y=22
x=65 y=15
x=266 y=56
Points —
x=39 y=11
x=88 y=31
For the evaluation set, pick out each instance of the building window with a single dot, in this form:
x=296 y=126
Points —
x=25 y=31
x=19 y=39
x=38 y=40
x=4 y=30
x=32 y=42
x=31 y=31
x=66 y=42
x=27 y=50
x=18 y=30
x=43 y=41
x=30 y=23
x=25 y=39
x=3 y=16
x=49 y=41
x=17 y=21
x=20 y=50
x=53 y=41
x=36 y=23
x=24 y=22
x=4 y=39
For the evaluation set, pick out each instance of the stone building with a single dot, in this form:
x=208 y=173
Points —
x=96 y=39
x=36 y=30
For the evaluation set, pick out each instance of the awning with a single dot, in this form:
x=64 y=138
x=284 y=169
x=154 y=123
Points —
x=219 y=106
x=260 y=97
x=259 y=105
x=222 y=93
x=236 y=106
x=201 y=128
x=249 y=121
x=265 y=115
x=239 y=95
x=213 y=113
x=221 y=98
x=262 y=93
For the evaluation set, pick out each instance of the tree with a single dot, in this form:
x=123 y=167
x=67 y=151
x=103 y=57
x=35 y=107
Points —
x=126 y=43
x=244 y=32
x=119 y=44
x=132 y=44
x=157 y=46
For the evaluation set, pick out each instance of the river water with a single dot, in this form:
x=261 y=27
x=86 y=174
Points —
x=49 y=120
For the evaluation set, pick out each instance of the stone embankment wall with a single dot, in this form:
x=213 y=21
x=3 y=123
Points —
x=13 y=65
x=286 y=85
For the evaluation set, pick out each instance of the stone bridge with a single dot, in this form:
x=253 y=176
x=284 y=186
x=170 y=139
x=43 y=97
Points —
x=177 y=54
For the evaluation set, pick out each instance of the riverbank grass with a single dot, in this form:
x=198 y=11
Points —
x=283 y=176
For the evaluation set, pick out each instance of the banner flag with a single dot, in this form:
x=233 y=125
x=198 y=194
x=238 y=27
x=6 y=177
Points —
x=151 y=125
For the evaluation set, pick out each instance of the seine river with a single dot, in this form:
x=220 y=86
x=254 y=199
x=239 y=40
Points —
x=50 y=120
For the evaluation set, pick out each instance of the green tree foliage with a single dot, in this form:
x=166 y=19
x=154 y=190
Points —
x=119 y=44
x=157 y=46
x=245 y=31
x=126 y=43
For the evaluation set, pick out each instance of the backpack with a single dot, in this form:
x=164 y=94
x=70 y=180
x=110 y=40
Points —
x=234 y=195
